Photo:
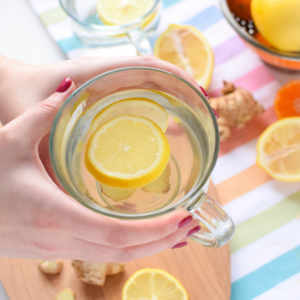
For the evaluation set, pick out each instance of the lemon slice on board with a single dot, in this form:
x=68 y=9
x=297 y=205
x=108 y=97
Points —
x=127 y=152
x=66 y=294
x=186 y=47
x=149 y=284
x=278 y=150
x=134 y=106
x=118 y=12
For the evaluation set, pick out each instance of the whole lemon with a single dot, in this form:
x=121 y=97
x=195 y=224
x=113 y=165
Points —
x=279 y=22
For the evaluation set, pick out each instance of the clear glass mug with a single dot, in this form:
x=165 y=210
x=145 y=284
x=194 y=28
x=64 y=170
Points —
x=93 y=33
x=71 y=127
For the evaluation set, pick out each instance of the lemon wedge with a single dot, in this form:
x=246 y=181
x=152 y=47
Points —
x=186 y=47
x=149 y=284
x=127 y=152
x=118 y=12
x=134 y=106
x=278 y=150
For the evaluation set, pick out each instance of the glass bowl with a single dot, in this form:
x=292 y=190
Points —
x=284 y=60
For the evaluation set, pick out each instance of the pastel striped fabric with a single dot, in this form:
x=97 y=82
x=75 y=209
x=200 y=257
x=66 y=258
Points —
x=265 y=250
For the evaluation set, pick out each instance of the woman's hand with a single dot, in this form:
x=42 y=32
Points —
x=38 y=220
x=23 y=86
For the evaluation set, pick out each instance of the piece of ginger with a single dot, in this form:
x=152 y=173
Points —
x=51 y=267
x=116 y=194
x=65 y=294
x=235 y=108
x=161 y=185
x=95 y=273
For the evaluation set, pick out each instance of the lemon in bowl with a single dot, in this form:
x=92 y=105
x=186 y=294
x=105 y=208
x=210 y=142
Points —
x=279 y=22
x=283 y=60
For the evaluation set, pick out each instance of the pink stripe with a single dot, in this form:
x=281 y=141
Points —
x=251 y=131
x=252 y=81
x=228 y=50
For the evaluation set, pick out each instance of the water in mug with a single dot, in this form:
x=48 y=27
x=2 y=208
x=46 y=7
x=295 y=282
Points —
x=187 y=139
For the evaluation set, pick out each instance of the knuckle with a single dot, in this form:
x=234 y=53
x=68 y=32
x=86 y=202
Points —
x=47 y=248
x=124 y=255
x=149 y=59
x=117 y=238
x=162 y=231
x=11 y=141
x=8 y=136
x=47 y=107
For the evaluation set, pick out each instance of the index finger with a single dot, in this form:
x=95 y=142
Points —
x=90 y=226
x=93 y=66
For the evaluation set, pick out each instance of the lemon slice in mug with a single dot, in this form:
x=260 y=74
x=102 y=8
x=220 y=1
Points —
x=149 y=284
x=133 y=106
x=127 y=152
x=119 y=12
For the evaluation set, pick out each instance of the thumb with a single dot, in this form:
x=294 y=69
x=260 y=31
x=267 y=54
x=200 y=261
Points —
x=37 y=121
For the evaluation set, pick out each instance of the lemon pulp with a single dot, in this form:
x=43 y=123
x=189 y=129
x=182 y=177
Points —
x=278 y=149
x=127 y=152
x=133 y=106
x=118 y=12
x=186 y=47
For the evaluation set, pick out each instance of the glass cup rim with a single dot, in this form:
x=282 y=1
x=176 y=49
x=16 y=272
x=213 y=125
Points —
x=108 y=28
x=192 y=194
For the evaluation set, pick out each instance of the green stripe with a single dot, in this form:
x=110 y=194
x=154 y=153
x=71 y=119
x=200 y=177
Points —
x=53 y=16
x=266 y=222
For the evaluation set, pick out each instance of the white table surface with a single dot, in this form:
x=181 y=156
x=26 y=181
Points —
x=24 y=38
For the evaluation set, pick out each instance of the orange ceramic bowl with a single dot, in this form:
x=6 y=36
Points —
x=280 y=59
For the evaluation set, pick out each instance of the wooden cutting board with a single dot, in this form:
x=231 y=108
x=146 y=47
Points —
x=204 y=272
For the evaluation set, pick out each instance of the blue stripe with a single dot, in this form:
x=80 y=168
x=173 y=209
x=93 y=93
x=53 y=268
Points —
x=167 y=3
x=203 y=20
x=266 y=277
x=206 y=18
x=70 y=44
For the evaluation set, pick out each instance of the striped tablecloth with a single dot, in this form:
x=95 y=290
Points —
x=265 y=250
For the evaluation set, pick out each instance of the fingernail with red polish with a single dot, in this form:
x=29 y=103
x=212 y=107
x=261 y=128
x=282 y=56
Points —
x=180 y=245
x=216 y=114
x=194 y=230
x=185 y=221
x=64 y=85
x=204 y=92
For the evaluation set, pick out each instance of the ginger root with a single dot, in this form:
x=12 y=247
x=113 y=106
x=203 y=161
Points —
x=65 y=294
x=51 y=267
x=236 y=107
x=95 y=273
x=160 y=185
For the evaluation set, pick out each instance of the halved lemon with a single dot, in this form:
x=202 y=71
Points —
x=134 y=106
x=150 y=284
x=127 y=152
x=186 y=47
x=278 y=149
x=118 y=12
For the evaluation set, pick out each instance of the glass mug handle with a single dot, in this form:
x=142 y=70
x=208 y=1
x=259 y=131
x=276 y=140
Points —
x=216 y=225
x=139 y=40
